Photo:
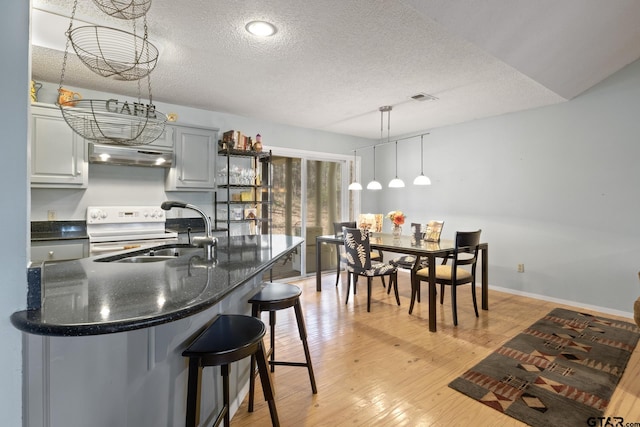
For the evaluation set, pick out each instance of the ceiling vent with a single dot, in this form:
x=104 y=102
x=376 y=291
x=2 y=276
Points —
x=423 y=97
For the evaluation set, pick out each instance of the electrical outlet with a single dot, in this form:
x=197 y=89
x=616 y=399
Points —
x=520 y=268
x=51 y=215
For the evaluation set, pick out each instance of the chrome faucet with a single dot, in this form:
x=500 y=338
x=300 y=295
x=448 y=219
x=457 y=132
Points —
x=208 y=242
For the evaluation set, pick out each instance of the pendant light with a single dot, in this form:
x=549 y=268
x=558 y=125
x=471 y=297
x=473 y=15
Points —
x=355 y=185
x=374 y=185
x=421 y=179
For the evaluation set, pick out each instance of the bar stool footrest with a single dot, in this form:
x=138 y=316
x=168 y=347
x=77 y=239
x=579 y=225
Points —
x=278 y=363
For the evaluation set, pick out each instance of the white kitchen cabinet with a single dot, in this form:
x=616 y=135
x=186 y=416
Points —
x=58 y=154
x=59 y=250
x=194 y=163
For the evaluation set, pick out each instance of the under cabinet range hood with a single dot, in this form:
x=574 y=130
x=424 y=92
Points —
x=134 y=155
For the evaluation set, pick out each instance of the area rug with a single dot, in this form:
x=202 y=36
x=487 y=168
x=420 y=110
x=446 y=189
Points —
x=561 y=371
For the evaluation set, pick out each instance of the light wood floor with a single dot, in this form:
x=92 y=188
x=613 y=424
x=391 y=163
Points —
x=385 y=368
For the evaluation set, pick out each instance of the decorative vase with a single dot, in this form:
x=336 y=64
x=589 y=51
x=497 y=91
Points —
x=396 y=231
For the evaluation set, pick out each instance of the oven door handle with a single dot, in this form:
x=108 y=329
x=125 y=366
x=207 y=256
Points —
x=100 y=249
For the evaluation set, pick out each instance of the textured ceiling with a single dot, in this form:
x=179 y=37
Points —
x=333 y=63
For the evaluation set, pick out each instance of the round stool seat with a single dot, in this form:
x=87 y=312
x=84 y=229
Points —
x=276 y=296
x=231 y=337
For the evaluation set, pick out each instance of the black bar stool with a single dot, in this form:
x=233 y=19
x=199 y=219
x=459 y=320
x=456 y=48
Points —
x=271 y=298
x=229 y=338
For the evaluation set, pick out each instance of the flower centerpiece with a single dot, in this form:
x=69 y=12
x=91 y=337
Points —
x=397 y=219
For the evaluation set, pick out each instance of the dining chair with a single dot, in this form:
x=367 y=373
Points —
x=465 y=254
x=337 y=231
x=418 y=235
x=407 y=261
x=358 y=256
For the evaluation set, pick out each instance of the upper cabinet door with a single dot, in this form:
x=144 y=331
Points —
x=58 y=154
x=195 y=154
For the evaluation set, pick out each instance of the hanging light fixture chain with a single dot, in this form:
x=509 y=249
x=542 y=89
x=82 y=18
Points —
x=146 y=40
x=66 y=48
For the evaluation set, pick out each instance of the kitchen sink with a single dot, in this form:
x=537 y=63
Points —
x=155 y=254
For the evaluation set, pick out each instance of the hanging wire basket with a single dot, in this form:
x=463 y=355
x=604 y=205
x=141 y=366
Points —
x=124 y=9
x=112 y=52
x=114 y=122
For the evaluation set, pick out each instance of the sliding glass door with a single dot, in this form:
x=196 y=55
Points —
x=308 y=197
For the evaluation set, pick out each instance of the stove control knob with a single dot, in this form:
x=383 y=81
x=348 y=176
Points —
x=159 y=213
x=97 y=214
x=103 y=214
x=145 y=214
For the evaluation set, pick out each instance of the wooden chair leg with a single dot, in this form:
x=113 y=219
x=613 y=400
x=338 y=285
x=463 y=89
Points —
x=348 y=287
x=272 y=339
x=442 y=293
x=394 y=278
x=224 y=370
x=252 y=382
x=415 y=286
x=252 y=366
x=193 y=391
x=338 y=269
x=267 y=387
x=303 y=337
x=473 y=295
x=454 y=307
x=369 y=280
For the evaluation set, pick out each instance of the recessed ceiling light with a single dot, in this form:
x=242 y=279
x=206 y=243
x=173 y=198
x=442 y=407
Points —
x=261 y=28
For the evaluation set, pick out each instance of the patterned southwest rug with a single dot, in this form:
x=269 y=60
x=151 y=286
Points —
x=560 y=371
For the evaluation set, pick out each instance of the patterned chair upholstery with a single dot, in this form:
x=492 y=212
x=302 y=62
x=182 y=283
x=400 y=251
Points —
x=337 y=231
x=358 y=257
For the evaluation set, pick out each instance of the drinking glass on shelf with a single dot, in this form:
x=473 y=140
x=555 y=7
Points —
x=222 y=176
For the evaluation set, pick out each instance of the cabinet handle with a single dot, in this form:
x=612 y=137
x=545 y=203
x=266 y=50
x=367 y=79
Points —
x=50 y=254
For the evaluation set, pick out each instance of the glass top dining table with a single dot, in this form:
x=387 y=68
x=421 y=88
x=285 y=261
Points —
x=423 y=249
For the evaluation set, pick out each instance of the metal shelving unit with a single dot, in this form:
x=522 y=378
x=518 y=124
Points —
x=243 y=199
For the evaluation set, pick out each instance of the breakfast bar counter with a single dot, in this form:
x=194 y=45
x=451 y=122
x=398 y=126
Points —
x=108 y=294
x=103 y=344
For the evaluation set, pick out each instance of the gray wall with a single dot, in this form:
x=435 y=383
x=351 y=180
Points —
x=14 y=86
x=554 y=188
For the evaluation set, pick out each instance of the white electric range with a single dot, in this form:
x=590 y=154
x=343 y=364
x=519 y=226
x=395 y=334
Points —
x=116 y=228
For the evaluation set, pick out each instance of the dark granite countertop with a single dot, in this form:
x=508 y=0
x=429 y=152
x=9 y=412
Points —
x=58 y=230
x=42 y=231
x=90 y=297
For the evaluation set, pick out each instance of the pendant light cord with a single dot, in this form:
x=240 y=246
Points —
x=374 y=162
x=421 y=155
x=396 y=159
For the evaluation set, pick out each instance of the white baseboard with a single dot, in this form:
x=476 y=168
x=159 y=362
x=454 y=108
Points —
x=606 y=310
